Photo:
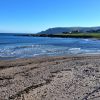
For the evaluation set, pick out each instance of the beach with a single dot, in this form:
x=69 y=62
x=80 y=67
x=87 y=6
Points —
x=51 y=78
x=49 y=50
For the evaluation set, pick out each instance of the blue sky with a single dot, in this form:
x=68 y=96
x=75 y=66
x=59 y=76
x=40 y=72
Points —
x=37 y=15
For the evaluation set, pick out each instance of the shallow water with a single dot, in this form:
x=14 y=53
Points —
x=23 y=47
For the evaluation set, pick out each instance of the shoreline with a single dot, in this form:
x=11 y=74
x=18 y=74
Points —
x=49 y=78
x=49 y=56
x=43 y=59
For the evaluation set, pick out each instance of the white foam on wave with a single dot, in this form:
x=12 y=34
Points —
x=86 y=39
x=36 y=50
x=74 y=49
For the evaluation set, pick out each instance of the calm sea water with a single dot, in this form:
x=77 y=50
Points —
x=23 y=47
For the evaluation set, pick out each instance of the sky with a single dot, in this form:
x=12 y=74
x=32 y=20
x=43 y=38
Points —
x=31 y=16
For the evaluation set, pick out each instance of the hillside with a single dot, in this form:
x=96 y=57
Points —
x=57 y=30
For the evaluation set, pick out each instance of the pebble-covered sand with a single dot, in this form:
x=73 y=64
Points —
x=51 y=78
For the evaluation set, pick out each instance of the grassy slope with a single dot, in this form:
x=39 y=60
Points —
x=79 y=35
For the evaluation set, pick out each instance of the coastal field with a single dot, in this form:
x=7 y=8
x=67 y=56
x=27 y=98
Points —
x=72 y=35
x=82 y=35
x=51 y=78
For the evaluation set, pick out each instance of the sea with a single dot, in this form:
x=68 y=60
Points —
x=15 y=47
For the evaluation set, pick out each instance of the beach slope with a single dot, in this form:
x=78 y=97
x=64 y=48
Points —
x=51 y=78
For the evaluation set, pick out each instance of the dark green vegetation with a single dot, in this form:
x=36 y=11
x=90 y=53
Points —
x=80 y=35
x=71 y=35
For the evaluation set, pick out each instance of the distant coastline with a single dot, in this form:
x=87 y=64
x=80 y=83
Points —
x=62 y=35
x=64 y=32
x=73 y=35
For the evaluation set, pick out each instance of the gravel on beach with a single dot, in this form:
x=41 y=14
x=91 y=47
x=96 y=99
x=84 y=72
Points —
x=51 y=78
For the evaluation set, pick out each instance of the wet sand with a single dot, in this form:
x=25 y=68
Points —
x=51 y=78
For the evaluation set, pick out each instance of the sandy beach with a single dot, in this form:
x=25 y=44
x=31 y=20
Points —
x=51 y=78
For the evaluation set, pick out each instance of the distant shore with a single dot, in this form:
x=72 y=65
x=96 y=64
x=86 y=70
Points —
x=59 y=35
x=49 y=78
x=71 y=35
